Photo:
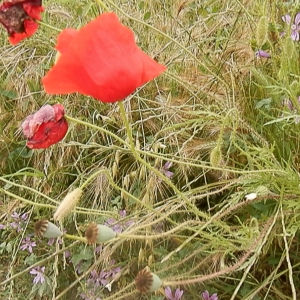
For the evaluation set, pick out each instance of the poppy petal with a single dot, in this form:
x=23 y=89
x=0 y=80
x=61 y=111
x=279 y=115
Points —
x=64 y=40
x=101 y=60
x=48 y=134
x=34 y=9
x=18 y=17
x=31 y=28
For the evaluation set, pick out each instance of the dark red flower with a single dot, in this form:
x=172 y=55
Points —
x=18 y=17
x=101 y=60
x=45 y=127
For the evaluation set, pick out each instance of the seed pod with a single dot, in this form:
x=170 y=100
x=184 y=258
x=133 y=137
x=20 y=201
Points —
x=147 y=282
x=96 y=233
x=44 y=228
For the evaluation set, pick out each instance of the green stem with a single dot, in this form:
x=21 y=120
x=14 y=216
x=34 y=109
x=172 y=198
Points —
x=25 y=200
x=97 y=128
x=75 y=237
x=148 y=166
x=49 y=26
x=39 y=263
x=102 y=5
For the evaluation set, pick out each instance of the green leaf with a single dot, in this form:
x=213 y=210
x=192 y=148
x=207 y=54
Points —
x=147 y=15
x=9 y=94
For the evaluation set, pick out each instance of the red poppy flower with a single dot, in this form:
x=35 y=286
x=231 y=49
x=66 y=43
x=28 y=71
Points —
x=45 y=127
x=18 y=17
x=101 y=60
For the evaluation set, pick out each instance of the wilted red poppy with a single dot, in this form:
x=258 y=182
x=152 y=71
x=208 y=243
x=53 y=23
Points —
x=45 y=127
x=101 y=60
x=18 y=17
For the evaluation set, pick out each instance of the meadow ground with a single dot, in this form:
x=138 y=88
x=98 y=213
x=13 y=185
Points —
x=197 y=170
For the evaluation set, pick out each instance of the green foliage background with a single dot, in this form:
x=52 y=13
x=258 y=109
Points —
x=217 y=114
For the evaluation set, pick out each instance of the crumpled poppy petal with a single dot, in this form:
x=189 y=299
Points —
x=48 y=134
x=18 y=17
x=101 y=60
x=34 y=9
x=31 y=124
x=30 y=27
x=45 y=127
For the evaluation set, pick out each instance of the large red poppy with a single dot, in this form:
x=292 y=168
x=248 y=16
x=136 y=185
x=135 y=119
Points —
x=18 y=17
x=45 y=127
x=101 y=60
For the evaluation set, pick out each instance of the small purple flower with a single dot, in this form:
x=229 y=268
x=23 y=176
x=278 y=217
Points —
x=294 y=27
x=27 y=244
x=78 y=268
x=262 y=54
x=98 y=249
x=98 y=279
x=178 y=293
x=205 y=296
x=289 y=104
x=67 y=254
x=114 y=271
x=2 y=226
x=39 y=272
x=165 y=169
x=118 y=228
x=19 y=220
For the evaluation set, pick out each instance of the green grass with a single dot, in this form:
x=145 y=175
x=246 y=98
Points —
x=217 y=113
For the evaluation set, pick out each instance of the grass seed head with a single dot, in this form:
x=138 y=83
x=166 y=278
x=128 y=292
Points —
x=68 y=203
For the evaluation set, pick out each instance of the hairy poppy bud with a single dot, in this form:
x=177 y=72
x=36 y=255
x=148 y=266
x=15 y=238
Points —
x=67 y=204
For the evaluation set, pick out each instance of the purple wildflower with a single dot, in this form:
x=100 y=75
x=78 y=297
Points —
x=98 y=249
x=205 y=296
x=178 y=294
x=19 y=220
x=2 y=226
x=118 y=228
x=98 y=279
x=262 y=54
x=67 y=254
x=39 y=272
x=114 y=271
x=295 y=27
x=289 y=104
x=165 y=169
x=27 y=244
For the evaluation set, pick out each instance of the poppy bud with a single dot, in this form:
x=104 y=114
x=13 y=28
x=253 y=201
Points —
x=147 y=282
x=216 y=156
x=67 y=204
x=96 y=233
x=44 y=228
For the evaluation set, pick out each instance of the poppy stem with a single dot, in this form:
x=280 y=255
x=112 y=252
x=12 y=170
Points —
x=102 y=5
x=128 y=127
x=97 y=128
x=75 y=237
x=25 y=200
x=49 y=26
